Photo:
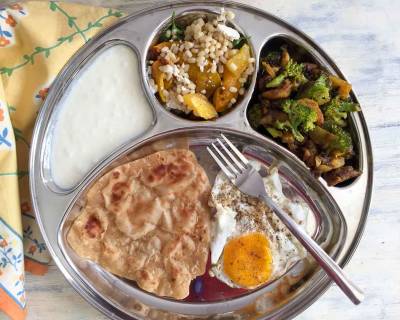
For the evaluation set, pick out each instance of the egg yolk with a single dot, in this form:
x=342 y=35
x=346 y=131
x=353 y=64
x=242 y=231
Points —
x=248 y=260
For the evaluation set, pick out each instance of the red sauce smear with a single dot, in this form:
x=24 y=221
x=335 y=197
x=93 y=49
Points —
x=207 y=289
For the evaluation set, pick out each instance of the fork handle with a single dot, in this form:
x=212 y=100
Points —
x=324 y=260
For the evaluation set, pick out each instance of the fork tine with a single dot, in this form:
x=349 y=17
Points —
x=220 y=164
x=228 y=163
x=237 y=152
x=239 y=165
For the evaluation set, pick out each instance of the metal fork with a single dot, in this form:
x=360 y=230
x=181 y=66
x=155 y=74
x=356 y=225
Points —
x=242 y=174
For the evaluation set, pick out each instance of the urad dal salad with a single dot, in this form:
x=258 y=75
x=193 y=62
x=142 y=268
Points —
x=201 y=70
x=306 y=109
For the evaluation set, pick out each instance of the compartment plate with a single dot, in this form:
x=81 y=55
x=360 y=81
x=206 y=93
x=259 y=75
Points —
x=138 y=30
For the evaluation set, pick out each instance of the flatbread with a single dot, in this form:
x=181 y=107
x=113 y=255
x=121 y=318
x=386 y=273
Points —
x=148 y=220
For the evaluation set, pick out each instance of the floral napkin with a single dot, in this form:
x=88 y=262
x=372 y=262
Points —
x=36 y=40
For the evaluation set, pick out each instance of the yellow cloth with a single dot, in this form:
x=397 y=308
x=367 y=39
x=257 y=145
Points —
x=36 y=40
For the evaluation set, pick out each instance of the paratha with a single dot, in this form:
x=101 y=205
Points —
x=148 y=220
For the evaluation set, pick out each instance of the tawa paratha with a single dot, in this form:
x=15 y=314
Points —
x=148 y=220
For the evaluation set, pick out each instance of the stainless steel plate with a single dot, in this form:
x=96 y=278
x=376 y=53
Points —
x=54 y=206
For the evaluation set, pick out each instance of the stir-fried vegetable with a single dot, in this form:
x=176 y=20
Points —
x=292 y=70
x=337 y=110
x=317 y=90
x=343 y=141
x=343 y=87
x=301 y=119
x=306 y=109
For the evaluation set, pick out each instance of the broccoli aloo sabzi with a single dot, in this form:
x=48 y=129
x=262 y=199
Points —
x=306 y=109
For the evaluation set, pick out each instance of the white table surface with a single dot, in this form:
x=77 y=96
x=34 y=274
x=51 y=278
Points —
x=364 y=39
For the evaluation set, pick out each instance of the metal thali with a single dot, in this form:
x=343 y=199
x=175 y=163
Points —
x=344 y=209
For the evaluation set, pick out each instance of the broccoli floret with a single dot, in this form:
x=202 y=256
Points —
x=343 y=140
x=337 y=110
x=287 y=126
x=292 y=70
x=318 y=90
x=295 y=70
x=301 y=119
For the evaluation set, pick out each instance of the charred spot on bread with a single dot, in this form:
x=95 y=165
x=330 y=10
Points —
x=93 y=227
x=118 y=191
x=116 y=174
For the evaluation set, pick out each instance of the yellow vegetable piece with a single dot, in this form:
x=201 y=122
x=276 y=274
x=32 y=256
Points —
x=344 y=86
x=200 y=105
x=168 y=84
x=158 y=77
x=222 y=97
x=234 y=69
x=161 y=45
x=204 y=80
x=193 y=71
x=239 y=62
x=208 y=81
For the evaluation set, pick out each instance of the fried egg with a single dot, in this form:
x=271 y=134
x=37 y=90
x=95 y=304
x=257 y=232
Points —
x=250 y=246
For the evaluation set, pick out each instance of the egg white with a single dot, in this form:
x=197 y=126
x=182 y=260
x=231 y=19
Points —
x=228 y=201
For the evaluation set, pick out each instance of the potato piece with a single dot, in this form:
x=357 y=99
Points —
x=222 y=97
x=285 y=57
x=159 y=78
x=340 y=175
x=333 y=163
x=239 y=62
x=283 y=91
x=269 y=69
x=343 y=86
x=322 y=137
x=200 y=105
x=314 y=106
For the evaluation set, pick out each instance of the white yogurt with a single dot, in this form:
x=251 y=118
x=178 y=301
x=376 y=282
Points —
x=104 y=107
